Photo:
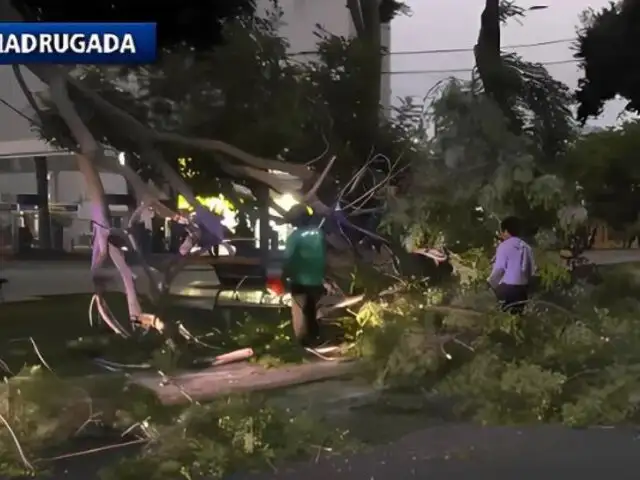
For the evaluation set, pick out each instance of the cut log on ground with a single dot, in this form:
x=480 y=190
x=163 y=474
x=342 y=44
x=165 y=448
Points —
x=232 y=357
x=239 y=378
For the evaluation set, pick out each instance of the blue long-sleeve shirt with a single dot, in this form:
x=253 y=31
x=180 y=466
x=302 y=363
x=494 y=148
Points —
x=514 y=263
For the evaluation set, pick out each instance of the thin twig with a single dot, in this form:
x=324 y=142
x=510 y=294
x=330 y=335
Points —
x=141 y=425
x=322 y=155
x=191 y=337
x=319 y=355
x=5 y=367
x=166 y=380
x=94 y=450
x=92 y=418
x=90 y=312
x=40 y=357
x=460 y=342
x=446 y=309
x=321 y=448
x=16 y=442
x=271 y=465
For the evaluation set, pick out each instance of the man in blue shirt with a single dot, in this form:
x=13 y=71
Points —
x=513 y=267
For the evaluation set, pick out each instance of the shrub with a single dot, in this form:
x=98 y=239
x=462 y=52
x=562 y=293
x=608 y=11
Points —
x=575 y=360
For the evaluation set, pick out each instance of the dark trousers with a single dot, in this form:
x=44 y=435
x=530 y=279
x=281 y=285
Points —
x=304 y=312
x=512 y=298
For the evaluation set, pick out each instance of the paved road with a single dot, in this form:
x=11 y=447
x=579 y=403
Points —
x=473 y=452
x=611 y=257
x=455 y=453
x=29 y=279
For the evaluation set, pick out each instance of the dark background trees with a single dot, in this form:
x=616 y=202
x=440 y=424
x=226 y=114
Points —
x=604 y=164
x=610 y=61
x=190 y=22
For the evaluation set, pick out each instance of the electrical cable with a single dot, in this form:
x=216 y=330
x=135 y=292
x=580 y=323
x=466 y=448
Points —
x=466 y=70
x=436 y=51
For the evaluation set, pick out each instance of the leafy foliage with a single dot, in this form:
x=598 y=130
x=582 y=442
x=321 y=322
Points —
x=215 y=440
x=569 y=358
x=573 y=361
x=496 y=149
x=45 y=412
x=475 y=170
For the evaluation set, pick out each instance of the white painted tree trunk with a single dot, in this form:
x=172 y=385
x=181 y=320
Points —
x=91 y=150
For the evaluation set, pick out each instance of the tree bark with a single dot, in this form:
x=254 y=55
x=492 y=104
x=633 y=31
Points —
x=365 y=15
x=487 y=50
x=44 y=216
x=262 y=192
x=373 y=36
x=91 y=150
x=493 y=74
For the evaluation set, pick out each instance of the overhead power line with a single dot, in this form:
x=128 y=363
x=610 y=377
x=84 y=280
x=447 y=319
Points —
x=466 y=70
x=458 y=50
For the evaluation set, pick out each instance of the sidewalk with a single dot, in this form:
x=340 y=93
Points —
x=46 y=256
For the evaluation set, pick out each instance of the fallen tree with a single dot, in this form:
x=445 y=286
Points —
x=65 y=94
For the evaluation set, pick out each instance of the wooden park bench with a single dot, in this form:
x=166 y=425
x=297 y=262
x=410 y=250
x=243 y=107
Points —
x=244 y=272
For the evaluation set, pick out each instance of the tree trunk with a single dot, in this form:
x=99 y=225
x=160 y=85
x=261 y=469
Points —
x=365 y=15
x=487 y=51
x=373 y=36
x=264 y=234
x=44 y=217
x=495 y=78
x=92 y=151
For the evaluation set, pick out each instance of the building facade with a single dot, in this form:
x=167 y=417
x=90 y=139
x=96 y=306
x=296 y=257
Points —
x=299 y=22
x=67 y=195
x=20 y=144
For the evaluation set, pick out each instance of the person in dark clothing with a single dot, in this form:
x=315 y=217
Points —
x=513 y=267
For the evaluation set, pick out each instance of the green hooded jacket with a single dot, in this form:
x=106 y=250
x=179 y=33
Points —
x=305 y=257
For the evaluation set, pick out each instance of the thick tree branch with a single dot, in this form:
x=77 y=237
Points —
x=27 y=92
x=489 y=35
x=140 y=133
x=356 y=16
x=495 y=76
x=372 y=24
x=99 y=209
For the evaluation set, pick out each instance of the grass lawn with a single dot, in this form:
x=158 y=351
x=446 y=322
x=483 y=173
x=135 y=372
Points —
x=60 y=328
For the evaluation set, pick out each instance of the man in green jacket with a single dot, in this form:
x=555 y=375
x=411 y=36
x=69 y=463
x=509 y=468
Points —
x=304 y=271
